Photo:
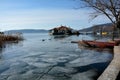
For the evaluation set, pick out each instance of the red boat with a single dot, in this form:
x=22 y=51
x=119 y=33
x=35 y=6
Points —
x=99 y=44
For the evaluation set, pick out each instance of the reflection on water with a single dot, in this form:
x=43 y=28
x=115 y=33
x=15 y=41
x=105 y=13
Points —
x=6 y=45
x=55 y=58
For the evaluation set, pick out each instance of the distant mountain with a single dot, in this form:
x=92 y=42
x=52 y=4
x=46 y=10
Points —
x=105 y=27
x=27 y=31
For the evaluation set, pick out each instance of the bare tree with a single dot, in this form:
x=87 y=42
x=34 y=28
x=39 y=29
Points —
x=109 y=8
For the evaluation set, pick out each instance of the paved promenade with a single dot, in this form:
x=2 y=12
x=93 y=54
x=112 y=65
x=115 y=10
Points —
x=112 y=71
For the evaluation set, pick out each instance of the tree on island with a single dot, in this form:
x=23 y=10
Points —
x=109 y=8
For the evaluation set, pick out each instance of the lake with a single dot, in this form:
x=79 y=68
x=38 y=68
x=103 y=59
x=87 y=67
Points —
x=44 y=57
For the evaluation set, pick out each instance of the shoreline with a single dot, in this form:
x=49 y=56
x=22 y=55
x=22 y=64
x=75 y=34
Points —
x=9 y=38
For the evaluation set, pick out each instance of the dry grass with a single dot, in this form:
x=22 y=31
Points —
x=9 y=38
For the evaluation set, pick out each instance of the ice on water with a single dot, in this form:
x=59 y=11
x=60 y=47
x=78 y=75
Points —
x=53 y=59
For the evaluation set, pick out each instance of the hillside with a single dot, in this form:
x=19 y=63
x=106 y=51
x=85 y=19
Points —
x=105 y=27
x=27 y=31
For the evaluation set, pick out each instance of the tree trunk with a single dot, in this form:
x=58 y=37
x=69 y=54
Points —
x=113 y=33
x=118 y=27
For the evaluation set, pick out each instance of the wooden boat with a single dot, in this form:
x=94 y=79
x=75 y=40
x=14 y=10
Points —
x=99 y=44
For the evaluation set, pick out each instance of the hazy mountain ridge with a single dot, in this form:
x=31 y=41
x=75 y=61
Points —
x=104 y=27
x=27 y=31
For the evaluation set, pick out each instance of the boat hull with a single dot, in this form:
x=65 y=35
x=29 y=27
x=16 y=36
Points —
x=98 y=44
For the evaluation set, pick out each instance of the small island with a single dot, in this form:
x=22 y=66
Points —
x=63 y=30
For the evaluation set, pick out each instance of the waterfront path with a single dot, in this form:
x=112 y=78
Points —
x=112 y=71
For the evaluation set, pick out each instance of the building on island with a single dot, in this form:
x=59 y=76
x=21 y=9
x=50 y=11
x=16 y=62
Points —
x=63 y=30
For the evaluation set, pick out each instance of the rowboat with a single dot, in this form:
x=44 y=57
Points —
x=99 y=44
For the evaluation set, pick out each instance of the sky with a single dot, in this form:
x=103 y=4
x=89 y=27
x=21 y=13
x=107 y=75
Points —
x=45 y=14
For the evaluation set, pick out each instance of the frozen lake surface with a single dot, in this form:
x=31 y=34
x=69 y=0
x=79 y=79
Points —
x=54 y=58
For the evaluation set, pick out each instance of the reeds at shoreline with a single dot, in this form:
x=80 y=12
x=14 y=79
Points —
x=9 y=38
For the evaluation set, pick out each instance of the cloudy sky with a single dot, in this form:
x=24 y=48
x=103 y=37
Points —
x=44 y=14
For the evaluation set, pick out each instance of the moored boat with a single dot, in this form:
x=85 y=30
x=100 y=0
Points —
x=99 y=44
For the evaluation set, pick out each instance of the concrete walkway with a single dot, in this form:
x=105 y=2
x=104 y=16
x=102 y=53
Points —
x=113 y=69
